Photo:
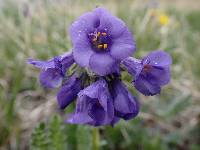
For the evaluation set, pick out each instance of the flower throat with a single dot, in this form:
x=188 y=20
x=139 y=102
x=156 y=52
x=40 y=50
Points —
x=100 y=41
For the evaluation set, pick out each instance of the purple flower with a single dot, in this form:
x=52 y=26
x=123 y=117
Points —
x=94 y=105
x=69 y=91
x=101 y=41
x=53 y=70
x=150 y=73
x=126 y=106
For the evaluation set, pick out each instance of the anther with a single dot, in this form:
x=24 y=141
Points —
x=98 y=34
x=105 y=46
x=104 y=33
x=100 y=46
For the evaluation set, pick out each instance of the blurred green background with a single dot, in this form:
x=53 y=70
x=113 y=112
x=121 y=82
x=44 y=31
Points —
x=29 y=116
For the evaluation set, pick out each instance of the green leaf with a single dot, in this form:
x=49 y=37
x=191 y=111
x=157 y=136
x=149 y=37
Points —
x=83 y=136
x=56 y=136
x=39 y=139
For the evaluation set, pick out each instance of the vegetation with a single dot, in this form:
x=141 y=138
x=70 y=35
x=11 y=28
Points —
x=29 y=116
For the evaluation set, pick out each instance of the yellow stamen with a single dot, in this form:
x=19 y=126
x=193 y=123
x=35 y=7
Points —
x=98 y=34
x=105 y=46
x=100 y=46
x=104 y=33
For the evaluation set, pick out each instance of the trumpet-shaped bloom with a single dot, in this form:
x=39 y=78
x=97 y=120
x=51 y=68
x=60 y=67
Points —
x=150 y=73
x=94 y=105
x=69 y=91
x=53 y=70
x=126 y=106
x=101 y=41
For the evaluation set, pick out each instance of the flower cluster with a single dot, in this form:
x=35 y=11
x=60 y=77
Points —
x=102 y=49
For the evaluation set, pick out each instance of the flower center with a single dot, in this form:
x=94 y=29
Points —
x=147 y=68
x=100 y=41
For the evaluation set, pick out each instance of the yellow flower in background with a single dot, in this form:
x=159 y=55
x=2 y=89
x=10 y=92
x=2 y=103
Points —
x=163 y=19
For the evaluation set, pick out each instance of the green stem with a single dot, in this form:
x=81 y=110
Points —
x=95 y=139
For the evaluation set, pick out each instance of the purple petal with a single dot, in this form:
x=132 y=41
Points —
x=66 y=61
x=97 y=113
x=95 y=102
x=126 y=106
x=92 y=91
x=158 y=75
x=115 y=120
x=69 y=91
x=53 y=69
x=145 y=87
x=112 y=24
x=109 y=112
x=82 y=26
x=97 y=90
x=102 y=64
x=81 y=115
x=82 y=52
x=79 y=118
x=158 y=58
x=50 y=78
x=42 y=64
x=123 y=46
x=134 y=66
